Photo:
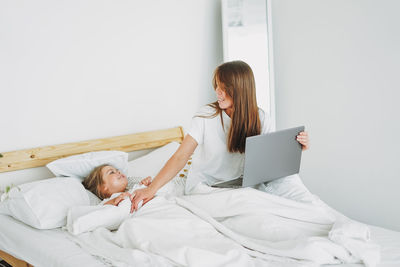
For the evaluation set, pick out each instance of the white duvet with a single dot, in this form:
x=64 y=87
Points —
x=278 y=226
x=241 y=227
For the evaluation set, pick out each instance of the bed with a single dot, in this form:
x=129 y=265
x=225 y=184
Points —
x=22 y=245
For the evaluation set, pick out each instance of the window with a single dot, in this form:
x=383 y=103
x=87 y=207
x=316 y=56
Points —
x=246 y=28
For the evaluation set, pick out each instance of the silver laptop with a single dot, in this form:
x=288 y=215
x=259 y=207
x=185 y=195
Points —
x=268 y=157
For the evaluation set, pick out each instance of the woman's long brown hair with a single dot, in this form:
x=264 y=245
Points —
x=237 y=80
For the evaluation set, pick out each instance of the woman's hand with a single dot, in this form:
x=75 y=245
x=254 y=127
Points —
x=170 y=169
x=146 y=181
x=144 y=194
x=302 y=138
x=118 y=199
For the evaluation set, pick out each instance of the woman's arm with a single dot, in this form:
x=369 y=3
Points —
x=170 y=169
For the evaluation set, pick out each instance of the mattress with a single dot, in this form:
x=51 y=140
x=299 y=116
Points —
x=43 y=248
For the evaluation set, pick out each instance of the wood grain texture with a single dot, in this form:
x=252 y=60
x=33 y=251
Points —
x=13 y=261
x=36 y=157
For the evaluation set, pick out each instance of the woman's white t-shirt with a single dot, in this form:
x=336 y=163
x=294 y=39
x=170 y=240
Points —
x=212 y=162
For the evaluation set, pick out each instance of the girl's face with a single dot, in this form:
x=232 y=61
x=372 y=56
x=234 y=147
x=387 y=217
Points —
x=225 y=102
x=114 y=181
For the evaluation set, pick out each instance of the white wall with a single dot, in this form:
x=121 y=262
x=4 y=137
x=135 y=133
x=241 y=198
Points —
x=78 y=70
x=75 y=70
x=336 y=71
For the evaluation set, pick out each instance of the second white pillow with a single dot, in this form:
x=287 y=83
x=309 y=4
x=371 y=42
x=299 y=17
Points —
x=81 y=165
x=150 y=164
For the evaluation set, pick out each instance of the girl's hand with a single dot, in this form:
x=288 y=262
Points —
x=302 y=138
x=118 y=199
x=146 y=181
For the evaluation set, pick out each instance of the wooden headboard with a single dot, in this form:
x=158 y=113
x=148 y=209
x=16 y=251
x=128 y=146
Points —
x=36 y=157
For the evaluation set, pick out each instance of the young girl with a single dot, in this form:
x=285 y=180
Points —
x=105 y=180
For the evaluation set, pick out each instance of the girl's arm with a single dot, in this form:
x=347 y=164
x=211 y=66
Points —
x=170 y=169
x=146 y=181
x=115 y=201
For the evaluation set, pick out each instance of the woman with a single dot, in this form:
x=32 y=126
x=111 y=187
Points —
x=220 y=129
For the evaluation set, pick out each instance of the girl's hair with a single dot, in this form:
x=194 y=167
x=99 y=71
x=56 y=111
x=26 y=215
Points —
x=237 y=80
x=95 y=180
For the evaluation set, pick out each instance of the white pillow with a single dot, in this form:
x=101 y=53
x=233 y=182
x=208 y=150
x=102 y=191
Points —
x=93 y=199
x=44 y=204
x=151 y=164
x=81 y=165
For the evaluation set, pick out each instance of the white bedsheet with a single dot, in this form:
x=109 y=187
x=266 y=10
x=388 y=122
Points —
x=42 y=248
x=163 y=228
x=289 y=229
x=389 y=242
x=279 y=226
x=53 y=248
